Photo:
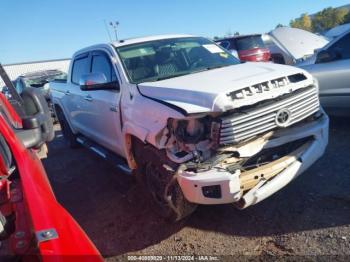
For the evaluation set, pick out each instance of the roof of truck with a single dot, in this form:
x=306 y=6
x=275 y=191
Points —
x=146 y=39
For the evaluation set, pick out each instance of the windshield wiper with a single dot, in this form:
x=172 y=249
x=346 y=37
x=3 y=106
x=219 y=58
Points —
x=208 y=68
x=214 y=67
x=155 y=79
x=170 y=76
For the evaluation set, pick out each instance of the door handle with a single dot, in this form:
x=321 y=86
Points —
x=67 y=93
x=88 y=98
x=114 y=108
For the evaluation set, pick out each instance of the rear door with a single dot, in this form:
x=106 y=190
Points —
x=72 y=93
x=334 y=76
x=102 y=106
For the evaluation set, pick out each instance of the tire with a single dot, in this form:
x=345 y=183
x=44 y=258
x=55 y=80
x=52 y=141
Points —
x=67 y=132
x=7 y=226
x=5 y=153
x=156 y=175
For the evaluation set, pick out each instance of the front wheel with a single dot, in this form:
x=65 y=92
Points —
x=157 y=175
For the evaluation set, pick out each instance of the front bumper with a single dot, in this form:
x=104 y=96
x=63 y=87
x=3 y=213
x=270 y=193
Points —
x=195 y=185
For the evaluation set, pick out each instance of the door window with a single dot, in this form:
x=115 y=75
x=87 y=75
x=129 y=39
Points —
x=233 y=44
x=101 y=64
x=341 y=48
x=225 y=44
x=249 y=42
x=80 y=67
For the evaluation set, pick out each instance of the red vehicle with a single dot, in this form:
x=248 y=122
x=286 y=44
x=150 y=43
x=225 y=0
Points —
x=246 y=47
x=37 y=226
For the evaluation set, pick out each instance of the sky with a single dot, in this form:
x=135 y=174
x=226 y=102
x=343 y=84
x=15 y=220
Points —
x=34 y=30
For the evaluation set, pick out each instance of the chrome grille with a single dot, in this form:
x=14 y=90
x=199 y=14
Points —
x=240 y=126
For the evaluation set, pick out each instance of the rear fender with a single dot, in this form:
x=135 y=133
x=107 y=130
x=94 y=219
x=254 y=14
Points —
x=58 y=106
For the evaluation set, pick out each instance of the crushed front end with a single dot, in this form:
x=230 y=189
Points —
x=246 y=154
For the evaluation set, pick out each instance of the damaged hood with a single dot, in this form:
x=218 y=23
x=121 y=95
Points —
x=297 y=42
x=210 y=91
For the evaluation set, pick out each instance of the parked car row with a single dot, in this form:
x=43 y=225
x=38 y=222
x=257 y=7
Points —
x=38 y=80
x=327 y=60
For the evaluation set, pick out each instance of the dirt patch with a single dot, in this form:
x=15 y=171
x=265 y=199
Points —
x=310 y=218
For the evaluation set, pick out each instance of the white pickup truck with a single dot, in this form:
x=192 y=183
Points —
x=193 y=124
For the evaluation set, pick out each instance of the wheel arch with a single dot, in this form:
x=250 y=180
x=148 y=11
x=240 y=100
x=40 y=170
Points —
x=58 y=107
x=132 y=132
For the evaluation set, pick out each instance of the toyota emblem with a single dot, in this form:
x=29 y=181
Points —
x=283 y=117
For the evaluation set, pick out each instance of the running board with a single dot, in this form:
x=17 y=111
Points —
x=106 y=154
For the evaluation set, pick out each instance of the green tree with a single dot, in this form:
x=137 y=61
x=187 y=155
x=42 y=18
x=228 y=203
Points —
x=329 y=18
x=279 y=25
x=347 y=18
x=303 y=22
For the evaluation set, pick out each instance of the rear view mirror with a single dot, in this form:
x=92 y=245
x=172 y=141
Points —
x=37 y=123
x=97 y=81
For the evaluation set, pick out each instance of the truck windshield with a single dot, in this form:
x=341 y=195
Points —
x=168 y=58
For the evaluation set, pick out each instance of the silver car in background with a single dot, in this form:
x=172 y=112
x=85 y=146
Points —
x=330 y=65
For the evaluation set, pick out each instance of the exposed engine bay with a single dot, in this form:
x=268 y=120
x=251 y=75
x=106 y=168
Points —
x=242 y=142
x=200 y=138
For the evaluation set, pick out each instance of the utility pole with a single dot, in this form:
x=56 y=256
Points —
x=106 y=27
x=115 y=25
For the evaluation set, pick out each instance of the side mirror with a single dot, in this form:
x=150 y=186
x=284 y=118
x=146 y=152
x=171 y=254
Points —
x=5 y=90
x=37 y=123
x=317 y=50
x=97 y=81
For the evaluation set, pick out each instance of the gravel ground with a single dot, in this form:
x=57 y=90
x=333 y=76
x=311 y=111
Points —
x=310 y=218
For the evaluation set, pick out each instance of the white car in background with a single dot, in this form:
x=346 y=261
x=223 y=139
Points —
x=337 y=31
x=292 y=45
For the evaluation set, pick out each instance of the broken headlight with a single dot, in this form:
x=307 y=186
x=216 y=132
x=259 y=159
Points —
x=190 y=131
